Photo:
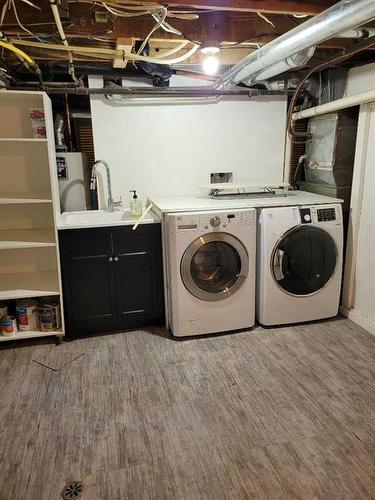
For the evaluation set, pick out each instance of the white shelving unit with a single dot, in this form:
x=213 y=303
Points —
x=30 y=334
x=24 y=285
x=29 y=254
x=27 y=238
x=7 y=200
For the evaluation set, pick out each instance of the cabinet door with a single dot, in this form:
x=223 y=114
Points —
x=87 y=270
x=138 y=276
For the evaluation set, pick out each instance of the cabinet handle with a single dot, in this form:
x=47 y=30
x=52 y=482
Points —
x=116 y=259
x=110 y=259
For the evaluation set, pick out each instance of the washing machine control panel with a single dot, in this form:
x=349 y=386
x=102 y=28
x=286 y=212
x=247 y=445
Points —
x=214 y=221
x=225 y=220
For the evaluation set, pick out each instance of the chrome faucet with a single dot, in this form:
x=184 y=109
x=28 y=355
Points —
x=111 y=204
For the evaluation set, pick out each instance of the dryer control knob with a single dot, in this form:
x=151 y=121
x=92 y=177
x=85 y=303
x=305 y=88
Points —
x=215 y=221
x=307 y=217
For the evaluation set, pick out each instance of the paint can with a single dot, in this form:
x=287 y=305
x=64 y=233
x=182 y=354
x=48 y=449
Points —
x=38 y=122
x=27 y=314
x=3 y=310
x=8 y=326
x=48 y=315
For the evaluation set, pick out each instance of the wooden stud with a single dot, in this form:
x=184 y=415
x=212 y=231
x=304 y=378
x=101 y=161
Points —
x=126 y=45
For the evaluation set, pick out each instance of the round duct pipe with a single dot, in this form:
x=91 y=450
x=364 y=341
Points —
x=59 y=133
x=341 y=17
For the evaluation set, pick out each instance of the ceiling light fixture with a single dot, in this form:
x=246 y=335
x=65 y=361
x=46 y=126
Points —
x=210 y=65
x=210 y=47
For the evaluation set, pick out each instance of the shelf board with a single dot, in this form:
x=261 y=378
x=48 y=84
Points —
x=20 y=198
x=23 y=139
x=27 y=238
x=31 y=334
x=25 y=285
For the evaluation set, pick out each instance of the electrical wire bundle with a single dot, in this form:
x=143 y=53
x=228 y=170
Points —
x=159 y=14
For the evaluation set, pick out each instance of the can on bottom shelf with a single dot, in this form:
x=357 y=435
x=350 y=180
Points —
x=49 y=315
x=8 y=326
x=27 y=314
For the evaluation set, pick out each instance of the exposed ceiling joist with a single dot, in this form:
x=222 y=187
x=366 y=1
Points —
x=267 y=6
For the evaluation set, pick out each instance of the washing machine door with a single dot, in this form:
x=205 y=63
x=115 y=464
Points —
x=214 y=266
x=304 y=260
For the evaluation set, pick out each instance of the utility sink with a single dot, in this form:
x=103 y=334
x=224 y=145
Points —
x=97 y=218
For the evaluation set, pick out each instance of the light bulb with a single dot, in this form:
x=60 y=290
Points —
x=210 y=50
x=211 y=65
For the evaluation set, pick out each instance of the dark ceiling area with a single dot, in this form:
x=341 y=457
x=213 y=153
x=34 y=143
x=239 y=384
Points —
x=101 y=34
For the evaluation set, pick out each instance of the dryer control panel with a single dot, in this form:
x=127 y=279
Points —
x=325 y=214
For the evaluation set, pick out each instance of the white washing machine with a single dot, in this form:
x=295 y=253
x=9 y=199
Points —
x=299 y=263
x=211 y=271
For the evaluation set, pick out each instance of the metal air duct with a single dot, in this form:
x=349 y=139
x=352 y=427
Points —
x=279 y=54
x=59 y=133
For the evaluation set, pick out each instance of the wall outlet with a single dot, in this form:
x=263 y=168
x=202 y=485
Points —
x=221 y=177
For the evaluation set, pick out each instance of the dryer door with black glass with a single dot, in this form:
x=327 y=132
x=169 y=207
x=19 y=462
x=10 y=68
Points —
x=304 y=260
x=214 y=266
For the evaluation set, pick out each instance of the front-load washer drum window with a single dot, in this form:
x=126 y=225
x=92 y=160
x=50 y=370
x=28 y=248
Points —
x=304 y=260
x=214 y=266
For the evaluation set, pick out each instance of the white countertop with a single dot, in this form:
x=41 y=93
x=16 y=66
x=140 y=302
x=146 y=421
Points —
x=165 y=204
x=100 y=218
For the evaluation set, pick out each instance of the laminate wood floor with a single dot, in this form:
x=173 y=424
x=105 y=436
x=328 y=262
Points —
x=284 y=413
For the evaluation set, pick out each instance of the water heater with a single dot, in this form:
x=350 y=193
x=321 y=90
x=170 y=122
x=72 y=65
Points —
x=73 y=181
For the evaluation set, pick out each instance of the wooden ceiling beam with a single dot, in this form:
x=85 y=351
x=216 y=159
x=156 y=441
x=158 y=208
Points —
x=307 y=7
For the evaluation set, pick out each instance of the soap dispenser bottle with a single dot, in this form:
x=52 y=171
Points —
x=135 y=205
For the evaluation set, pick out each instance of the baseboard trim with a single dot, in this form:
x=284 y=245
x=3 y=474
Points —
x=358 y=318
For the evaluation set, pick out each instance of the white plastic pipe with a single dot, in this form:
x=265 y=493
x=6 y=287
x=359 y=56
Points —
x=339 y=18
x=344 y=102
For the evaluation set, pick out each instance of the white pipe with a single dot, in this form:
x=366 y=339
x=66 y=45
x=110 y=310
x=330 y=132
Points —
x=162 y=101
x=341 y=17
x=344 y=102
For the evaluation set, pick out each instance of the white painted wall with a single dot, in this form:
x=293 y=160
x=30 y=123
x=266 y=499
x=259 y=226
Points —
x=171 y=149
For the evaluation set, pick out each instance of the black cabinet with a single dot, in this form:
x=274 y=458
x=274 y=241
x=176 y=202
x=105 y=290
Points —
x=112 y=278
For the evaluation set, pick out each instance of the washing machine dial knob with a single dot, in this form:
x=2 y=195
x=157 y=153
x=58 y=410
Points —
x=215 y=221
